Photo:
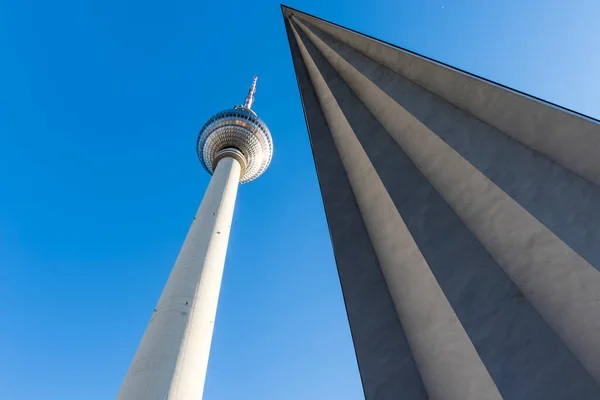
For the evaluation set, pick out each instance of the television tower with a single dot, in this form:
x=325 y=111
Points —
x=235 y=146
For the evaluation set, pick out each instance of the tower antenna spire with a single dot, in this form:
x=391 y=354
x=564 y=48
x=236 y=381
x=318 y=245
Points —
x=250 y=98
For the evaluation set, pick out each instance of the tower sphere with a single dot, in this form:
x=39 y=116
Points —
x=240 y=134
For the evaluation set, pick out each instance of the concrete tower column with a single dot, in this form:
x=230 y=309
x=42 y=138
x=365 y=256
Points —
x=235 y=146
x=172 y=358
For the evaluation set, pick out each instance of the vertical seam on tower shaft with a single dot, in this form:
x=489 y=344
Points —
x=173 y=355
x=229 y=189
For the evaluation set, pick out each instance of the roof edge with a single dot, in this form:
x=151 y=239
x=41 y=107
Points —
x=287 y=10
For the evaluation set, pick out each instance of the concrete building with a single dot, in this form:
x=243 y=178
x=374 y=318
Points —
x=465 y=222
x=235 y=146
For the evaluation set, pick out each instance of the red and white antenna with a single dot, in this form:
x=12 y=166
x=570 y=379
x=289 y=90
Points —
x=250 y=98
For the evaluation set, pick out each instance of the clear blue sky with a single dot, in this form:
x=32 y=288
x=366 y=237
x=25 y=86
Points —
x=100 y=104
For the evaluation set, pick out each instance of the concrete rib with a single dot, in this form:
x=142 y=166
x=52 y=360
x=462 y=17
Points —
x=558 y=281
x=387 y=367
x=571 y=140
x=448 y=362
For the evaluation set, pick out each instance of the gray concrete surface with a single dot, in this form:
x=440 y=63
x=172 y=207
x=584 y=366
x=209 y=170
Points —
x=568 y=138
x=508 y=333
x=387 y=367
x=558 y=281
x=562 y=200
x=436 y=336
x=508 y=230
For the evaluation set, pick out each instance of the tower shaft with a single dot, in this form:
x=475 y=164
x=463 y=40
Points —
x=172 y=358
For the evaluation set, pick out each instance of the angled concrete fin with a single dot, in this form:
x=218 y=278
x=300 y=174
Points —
x=476 y=179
